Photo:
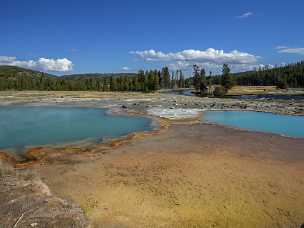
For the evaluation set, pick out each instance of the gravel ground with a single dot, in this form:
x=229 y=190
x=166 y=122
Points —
x=140 y=102
x=25 y=201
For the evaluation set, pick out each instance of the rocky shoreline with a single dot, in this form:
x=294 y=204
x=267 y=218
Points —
x=142 y=103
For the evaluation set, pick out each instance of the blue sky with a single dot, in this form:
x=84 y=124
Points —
x=114 y=36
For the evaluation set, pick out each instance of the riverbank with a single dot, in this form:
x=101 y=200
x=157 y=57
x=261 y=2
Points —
x=187 y=174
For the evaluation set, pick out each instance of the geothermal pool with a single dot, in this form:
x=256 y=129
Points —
x=22 y=126
x=287 y=125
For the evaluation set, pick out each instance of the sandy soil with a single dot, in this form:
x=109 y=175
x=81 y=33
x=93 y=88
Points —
x=189 y=176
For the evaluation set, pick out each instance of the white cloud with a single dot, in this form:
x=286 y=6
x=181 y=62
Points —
x=125 y=68
x=210 y=59
x=44 y=64
x=73 y=50
x=280 y=47
x=55 y=64
x=242 y=68
x=245 y=15
x=288 y=50
x=203 y=56
x=187 y=66
x=7 y=59
x=180 y=65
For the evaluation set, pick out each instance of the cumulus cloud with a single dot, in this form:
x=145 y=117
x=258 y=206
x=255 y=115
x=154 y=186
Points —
x=245 y=15
x=281 y=47
x=288 y=50
x=44 y=64
x=125 y=68
x=209 y=58
x=180 y=65
x=254 y=67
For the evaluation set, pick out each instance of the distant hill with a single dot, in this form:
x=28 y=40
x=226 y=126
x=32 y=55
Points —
x=17 y=78
x=291 y=75
x=98 y=75
x=14 y=71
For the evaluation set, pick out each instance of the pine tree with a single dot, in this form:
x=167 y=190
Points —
x=165 y=78
x=203 y=84
x=227 y=81
x=197 y=78
x=181 y=81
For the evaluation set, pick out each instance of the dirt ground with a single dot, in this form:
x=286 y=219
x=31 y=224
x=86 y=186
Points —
x=25 y=201
x=188 y=176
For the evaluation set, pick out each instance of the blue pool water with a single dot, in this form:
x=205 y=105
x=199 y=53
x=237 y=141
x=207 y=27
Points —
x=257 y=121
x=29 y=126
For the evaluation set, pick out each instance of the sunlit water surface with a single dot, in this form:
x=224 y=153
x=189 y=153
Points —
x=22 y=126
x=258 y=121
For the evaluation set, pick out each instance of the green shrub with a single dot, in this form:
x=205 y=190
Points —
x=219 y=91
x=282 y=85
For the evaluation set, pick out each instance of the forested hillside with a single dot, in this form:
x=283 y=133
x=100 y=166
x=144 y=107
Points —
x=290 y=75
x=96 y=75
x=16 y=78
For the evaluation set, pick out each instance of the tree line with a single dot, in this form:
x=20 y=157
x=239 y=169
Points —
x=291 y=75
x=15 y=78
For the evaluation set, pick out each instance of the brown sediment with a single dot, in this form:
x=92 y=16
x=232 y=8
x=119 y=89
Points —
x=163 y=126
x=184 y=174
x=188 y=176
x=6 y=157
x=25 y=201
x=42 y=154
